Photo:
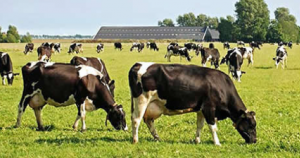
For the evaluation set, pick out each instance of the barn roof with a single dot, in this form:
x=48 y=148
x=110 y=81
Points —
x=151 y=32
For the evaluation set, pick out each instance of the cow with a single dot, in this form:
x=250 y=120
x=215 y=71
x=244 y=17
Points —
x=177 y=51
x=234 y=61
x=211 y=46
x=226 y=45
x=290 y=44
x=254 y=45
x=56 y=47
x=138 y=46
x=210 y=55
x=281 y=57
x=247 y=53
x=44 y=53
x=6 y=69
x=75 y=47
x=174 y=44
x=190 y=46
x=148 y=44
x=100 y=47
x=118 y=45
x=173 y=89
x=63 y=85
x=28 y=48
x=240 y=43
x=153 y=46
x=99 y=65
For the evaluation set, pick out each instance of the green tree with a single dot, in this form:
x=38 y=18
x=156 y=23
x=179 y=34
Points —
x=188 y=19
x=26 y=38
x=252 y=19
x=12 y=34
x=213 y=22
x=1 y=38
x=11 y=38
x=166 y=22
x=228 y=30
x=274 y=32
x=201 y=20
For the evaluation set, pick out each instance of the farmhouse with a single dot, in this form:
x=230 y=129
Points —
x=157 y=32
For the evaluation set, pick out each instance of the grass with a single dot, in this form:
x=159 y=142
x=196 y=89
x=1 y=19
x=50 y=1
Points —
x=272 y=93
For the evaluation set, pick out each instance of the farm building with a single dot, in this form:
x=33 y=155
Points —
x=157 y=32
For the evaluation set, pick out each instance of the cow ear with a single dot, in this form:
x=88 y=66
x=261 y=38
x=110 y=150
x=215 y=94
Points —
x=252 y=113
x=112 y=82
x=120 y=106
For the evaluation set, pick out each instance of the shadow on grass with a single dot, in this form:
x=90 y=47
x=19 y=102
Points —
x=293 y=69
x=263 y=67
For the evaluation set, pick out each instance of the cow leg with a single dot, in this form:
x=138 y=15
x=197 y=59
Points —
x=21 y=109
x=38 y=112
x=153 y=112
x=83 y=112
x=75 y=125
x=3 y=79
x=209 y=115
x=213 y=128
x=200 y=124
x=140 y=106
x=150 y=125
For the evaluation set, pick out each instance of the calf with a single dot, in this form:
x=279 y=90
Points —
x=177 y=51
x=226 y=45
x=159 y=89
x=138 y=46
x=63 y=85
x=6 y=69
x=153 y=46
x=118 y=45
x=99 y=65
x=28 y=48
x=234 y=61
x=210 y=55
x=100 y=47
x=44 y=53
x=281 y=57
x=75 y=47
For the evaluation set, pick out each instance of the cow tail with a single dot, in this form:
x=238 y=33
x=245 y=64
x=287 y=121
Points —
x=132 y=106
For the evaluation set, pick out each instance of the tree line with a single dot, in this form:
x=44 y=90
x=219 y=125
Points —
x=252 y=23
x=12 y=36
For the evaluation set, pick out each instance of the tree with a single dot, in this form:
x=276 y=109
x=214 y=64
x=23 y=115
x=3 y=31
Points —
x=166 y=22
x=213 y=22
x=227 y=29
x=201 y=20
x=1 y=38
x=12 y=34
x=26 y=38
x=274 y=32
x=252 y=19
x=188 y=19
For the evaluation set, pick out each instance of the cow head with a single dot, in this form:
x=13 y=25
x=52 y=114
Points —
x=246 y=126
x=116 y=117
x=10 y=78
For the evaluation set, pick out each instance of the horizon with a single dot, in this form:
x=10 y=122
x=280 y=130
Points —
x=66 y=19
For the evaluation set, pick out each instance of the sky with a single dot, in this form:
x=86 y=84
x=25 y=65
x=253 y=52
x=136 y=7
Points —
x=70 y=17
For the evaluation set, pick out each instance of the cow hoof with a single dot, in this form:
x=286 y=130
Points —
x=40 y=129
x=134 y=141
x=218 y=144
x=156 y=138
x=83 y=130
x=197 y=140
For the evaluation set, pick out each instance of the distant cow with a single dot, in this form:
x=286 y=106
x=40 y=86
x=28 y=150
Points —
x=173 y=89
x=281 y=57
x=240 y=43
x=63 y=85
x=56 y=47
x=138 y=46
x=118 y=45
x=254 y=45
x=100 y=47
x=290 y=44
x=6 y=69
x=210 y=55
x=234 y=61
x=177 y=51
x=148 y=44
x=211 y=46
x=28 y=48
x=226 y=45
x=99 y=65
x=153 y=46
x=75 y=47
x=247 y=53
x=44 y=53
x=190 y=46
x=174 y=44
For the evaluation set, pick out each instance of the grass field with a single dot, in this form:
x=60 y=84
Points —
x=274 y=94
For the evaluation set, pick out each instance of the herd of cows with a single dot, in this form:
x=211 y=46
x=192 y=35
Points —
x=156 y=89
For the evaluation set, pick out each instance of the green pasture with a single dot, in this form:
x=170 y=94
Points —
x=274 y=94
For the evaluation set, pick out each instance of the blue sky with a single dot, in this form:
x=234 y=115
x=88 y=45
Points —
x=68 y=17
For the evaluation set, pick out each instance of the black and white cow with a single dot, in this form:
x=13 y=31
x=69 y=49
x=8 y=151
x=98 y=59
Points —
x=234 y=61
x=255 y=45
x=44 y=53
x=177 y=51
x=153 y=46
x=190 y=46
x=174 y=44
x=226 y=45
x=138 y=46
x=247 y=53
x=159 y=89
x=281 y=57
x=240 y=43
x=290 y=44
x=56 y=47
x=75 y=47
x=63 y=85
x=210 y=55
x=28 y=48
x=100 y=47
x=118 y=45
x=99 y=65
x=6 y=69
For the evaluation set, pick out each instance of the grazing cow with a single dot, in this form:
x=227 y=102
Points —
x=234 y=61
x=6 y=69
x=75 y=47
x=28 y=48
x=148 y=44
x=63 y=85
x=44 y=53
x=173 y=44
x=138 y=46
x=177 y=51
x=210 y=55
x=254 y=45
x=99 y=65
x=159 y=89
x=190 y=46
x=56 y=47
x=240 y=43
x=290 y=44
x=226 y=45
x=100 y=47
x=211 y=46
x=247 y=53
x=281 y=57
x=153 y=46
x=118 y=45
